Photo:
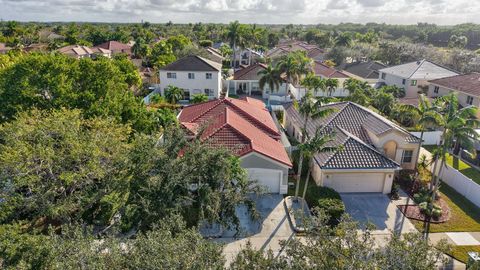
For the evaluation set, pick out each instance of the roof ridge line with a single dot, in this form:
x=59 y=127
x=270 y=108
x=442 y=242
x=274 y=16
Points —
x=336 y=115
x=205 y=112
x=419 y=65
x=253 y=118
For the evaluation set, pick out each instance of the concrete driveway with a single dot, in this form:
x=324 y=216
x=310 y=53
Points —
x=377 y=209
x=263 y=234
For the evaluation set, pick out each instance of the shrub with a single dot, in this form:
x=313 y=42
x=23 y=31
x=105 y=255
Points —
x=327 y=200
x=332 y=207
x=430 y=210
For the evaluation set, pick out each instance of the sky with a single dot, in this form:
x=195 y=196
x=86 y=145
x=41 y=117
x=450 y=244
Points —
x=442 y=12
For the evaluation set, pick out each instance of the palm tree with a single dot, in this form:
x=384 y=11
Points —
x=455 y=121
x=199 y=98
x=313 y=146
x=173 y=94
x=234 y=34
x=331 y=85
x=294 y=66
x=269 y=76
x=254 y=35
x=309 y=108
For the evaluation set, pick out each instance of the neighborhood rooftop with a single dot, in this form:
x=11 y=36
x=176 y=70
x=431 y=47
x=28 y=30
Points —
x=365 y=70
x=193 y=63
x=422 y=69
x=467 y=83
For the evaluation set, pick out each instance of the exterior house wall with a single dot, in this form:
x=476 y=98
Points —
x=462 y=97
x=325 y=176
x=194 y=86
x=253 y=85
x=410 y=91
x=299 y=92
x=255 y=160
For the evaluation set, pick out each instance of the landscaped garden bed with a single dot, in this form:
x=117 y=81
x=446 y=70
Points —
x=415 y=212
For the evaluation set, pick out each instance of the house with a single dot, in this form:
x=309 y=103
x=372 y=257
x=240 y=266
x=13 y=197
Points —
x=36 y=47
x=245 y=127
x=414 y=76
x=80 y=51
x=325 y=72
x=4 y=48
x=215 y=55
x=246 y=57
x=116 y=47
x=284 y=48
x=371 y=148
x=246 y=82
x=466 y=86
x=195 y=75
x=367 y=71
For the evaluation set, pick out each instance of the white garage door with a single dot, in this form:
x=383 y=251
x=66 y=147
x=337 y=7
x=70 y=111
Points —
x=271 y=179
x=356 y=182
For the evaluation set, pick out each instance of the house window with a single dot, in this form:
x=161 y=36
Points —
x=469 y=100
x=435 y=89
x=413 y=83
x=209 y=92
x=171 y=75
x=383 y=76
x=407 y=156
x=191 y=76
x=404 y=81
x=208 y=76
x=186 y=94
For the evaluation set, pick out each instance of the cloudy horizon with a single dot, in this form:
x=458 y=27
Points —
x=439 y=12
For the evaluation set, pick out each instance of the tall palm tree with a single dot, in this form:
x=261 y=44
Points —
x=314 y=83
x=309 y=108
x=454 y=121
x=269 y=76
x=234 y=34
x=331 y=84
x=173 y=94
x=312 y=146
x=294 y=66
x=254 y=35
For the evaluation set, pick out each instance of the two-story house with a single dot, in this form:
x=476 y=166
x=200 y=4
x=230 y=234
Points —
x=414 y=77
x=465 y=86
x=370 y=148
x=193 y=74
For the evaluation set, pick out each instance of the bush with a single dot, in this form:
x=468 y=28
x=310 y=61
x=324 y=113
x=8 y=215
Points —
x=332 y=207
x=327 y=200
x=430 y=210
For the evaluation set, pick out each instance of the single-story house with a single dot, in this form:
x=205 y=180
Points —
x=286 y=47
x=80 y=51
x=414 y=77
x=367 y=71
x=116 y=47
x=245 y=127
x=465 y=86
x=371 y=148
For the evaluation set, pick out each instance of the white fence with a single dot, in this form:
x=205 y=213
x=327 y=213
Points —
x=279 y=98
x=455 y=179
x=429 y=137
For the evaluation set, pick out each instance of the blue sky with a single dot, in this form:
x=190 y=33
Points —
x=247 y=11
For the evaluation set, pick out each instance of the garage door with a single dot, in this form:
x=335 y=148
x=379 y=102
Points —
x=366 y=182
x=271 y=179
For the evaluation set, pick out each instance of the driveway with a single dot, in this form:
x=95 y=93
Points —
x=377 y=209
x=264 y=233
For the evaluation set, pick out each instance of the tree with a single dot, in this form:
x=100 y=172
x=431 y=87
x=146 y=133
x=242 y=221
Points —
x=359 y=92
x=294 y=66
x=235 y=36
x=384 y=102
x=331 y=85
x=162 y=54
x=270 y=76
x=457 y=41
x=74 y=169
x=343 y=39
x=396 y=91
x=313 y=83
x=199 y=98
x=173 y=94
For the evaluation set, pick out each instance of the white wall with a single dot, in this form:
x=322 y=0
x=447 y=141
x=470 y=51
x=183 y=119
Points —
x=462 y=97
x=410 y=91
x=195 y=86
x=429 y=137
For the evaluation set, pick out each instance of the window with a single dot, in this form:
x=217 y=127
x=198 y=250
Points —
x=171 y=75
x=383 y=76
x=186 y=94
x=469 y=100
x=413 y=83
x=404 y=81
x=208 y=76
x=435 y=89
x=407 y=156
x=209 y=92
x=191 y=76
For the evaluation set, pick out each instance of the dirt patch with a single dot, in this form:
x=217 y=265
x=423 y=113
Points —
x=413 y=212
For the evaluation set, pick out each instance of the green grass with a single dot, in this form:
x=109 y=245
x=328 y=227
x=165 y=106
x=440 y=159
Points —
x=459 y=165
x=464 y=215
x=460 y=252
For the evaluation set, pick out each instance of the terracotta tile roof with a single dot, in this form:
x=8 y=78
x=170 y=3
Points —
x=320 y=69
x=466 y=83
x=249 y=72
x=351 y=123
x=228 y=125
x=116 y=47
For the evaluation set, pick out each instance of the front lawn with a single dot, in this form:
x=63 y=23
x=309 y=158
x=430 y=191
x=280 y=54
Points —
x=459 y=165
x=464 y=215
x=460 y=252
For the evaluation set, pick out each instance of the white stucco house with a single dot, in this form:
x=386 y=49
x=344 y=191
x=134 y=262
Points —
x=245 y=127
x=414 y=77
x=195 y=75
x=371 y=148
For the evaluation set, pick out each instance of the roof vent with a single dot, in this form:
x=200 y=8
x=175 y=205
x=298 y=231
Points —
x=418 y=62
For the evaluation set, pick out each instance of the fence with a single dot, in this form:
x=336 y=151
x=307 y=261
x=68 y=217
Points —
x=455 y=179
x=429 y=137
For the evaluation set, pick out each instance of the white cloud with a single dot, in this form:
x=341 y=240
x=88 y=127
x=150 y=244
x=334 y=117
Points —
x=247 y=11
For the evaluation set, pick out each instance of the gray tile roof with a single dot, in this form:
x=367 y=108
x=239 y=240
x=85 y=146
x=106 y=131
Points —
x=366 y=70
x=422 y=69
x=193 y=63
x=350 y=123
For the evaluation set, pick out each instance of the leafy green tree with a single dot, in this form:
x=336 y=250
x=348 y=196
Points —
x=294 y=66
x=331 y=85
x=173 y=94
x=344 y=39
x=129 y=70
x=199 y=98
x=384 y=102
x=162 y=54
x=167 y=117
x=178 y=43
x=269 y=76
x=396 y=91
x=59 y=168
